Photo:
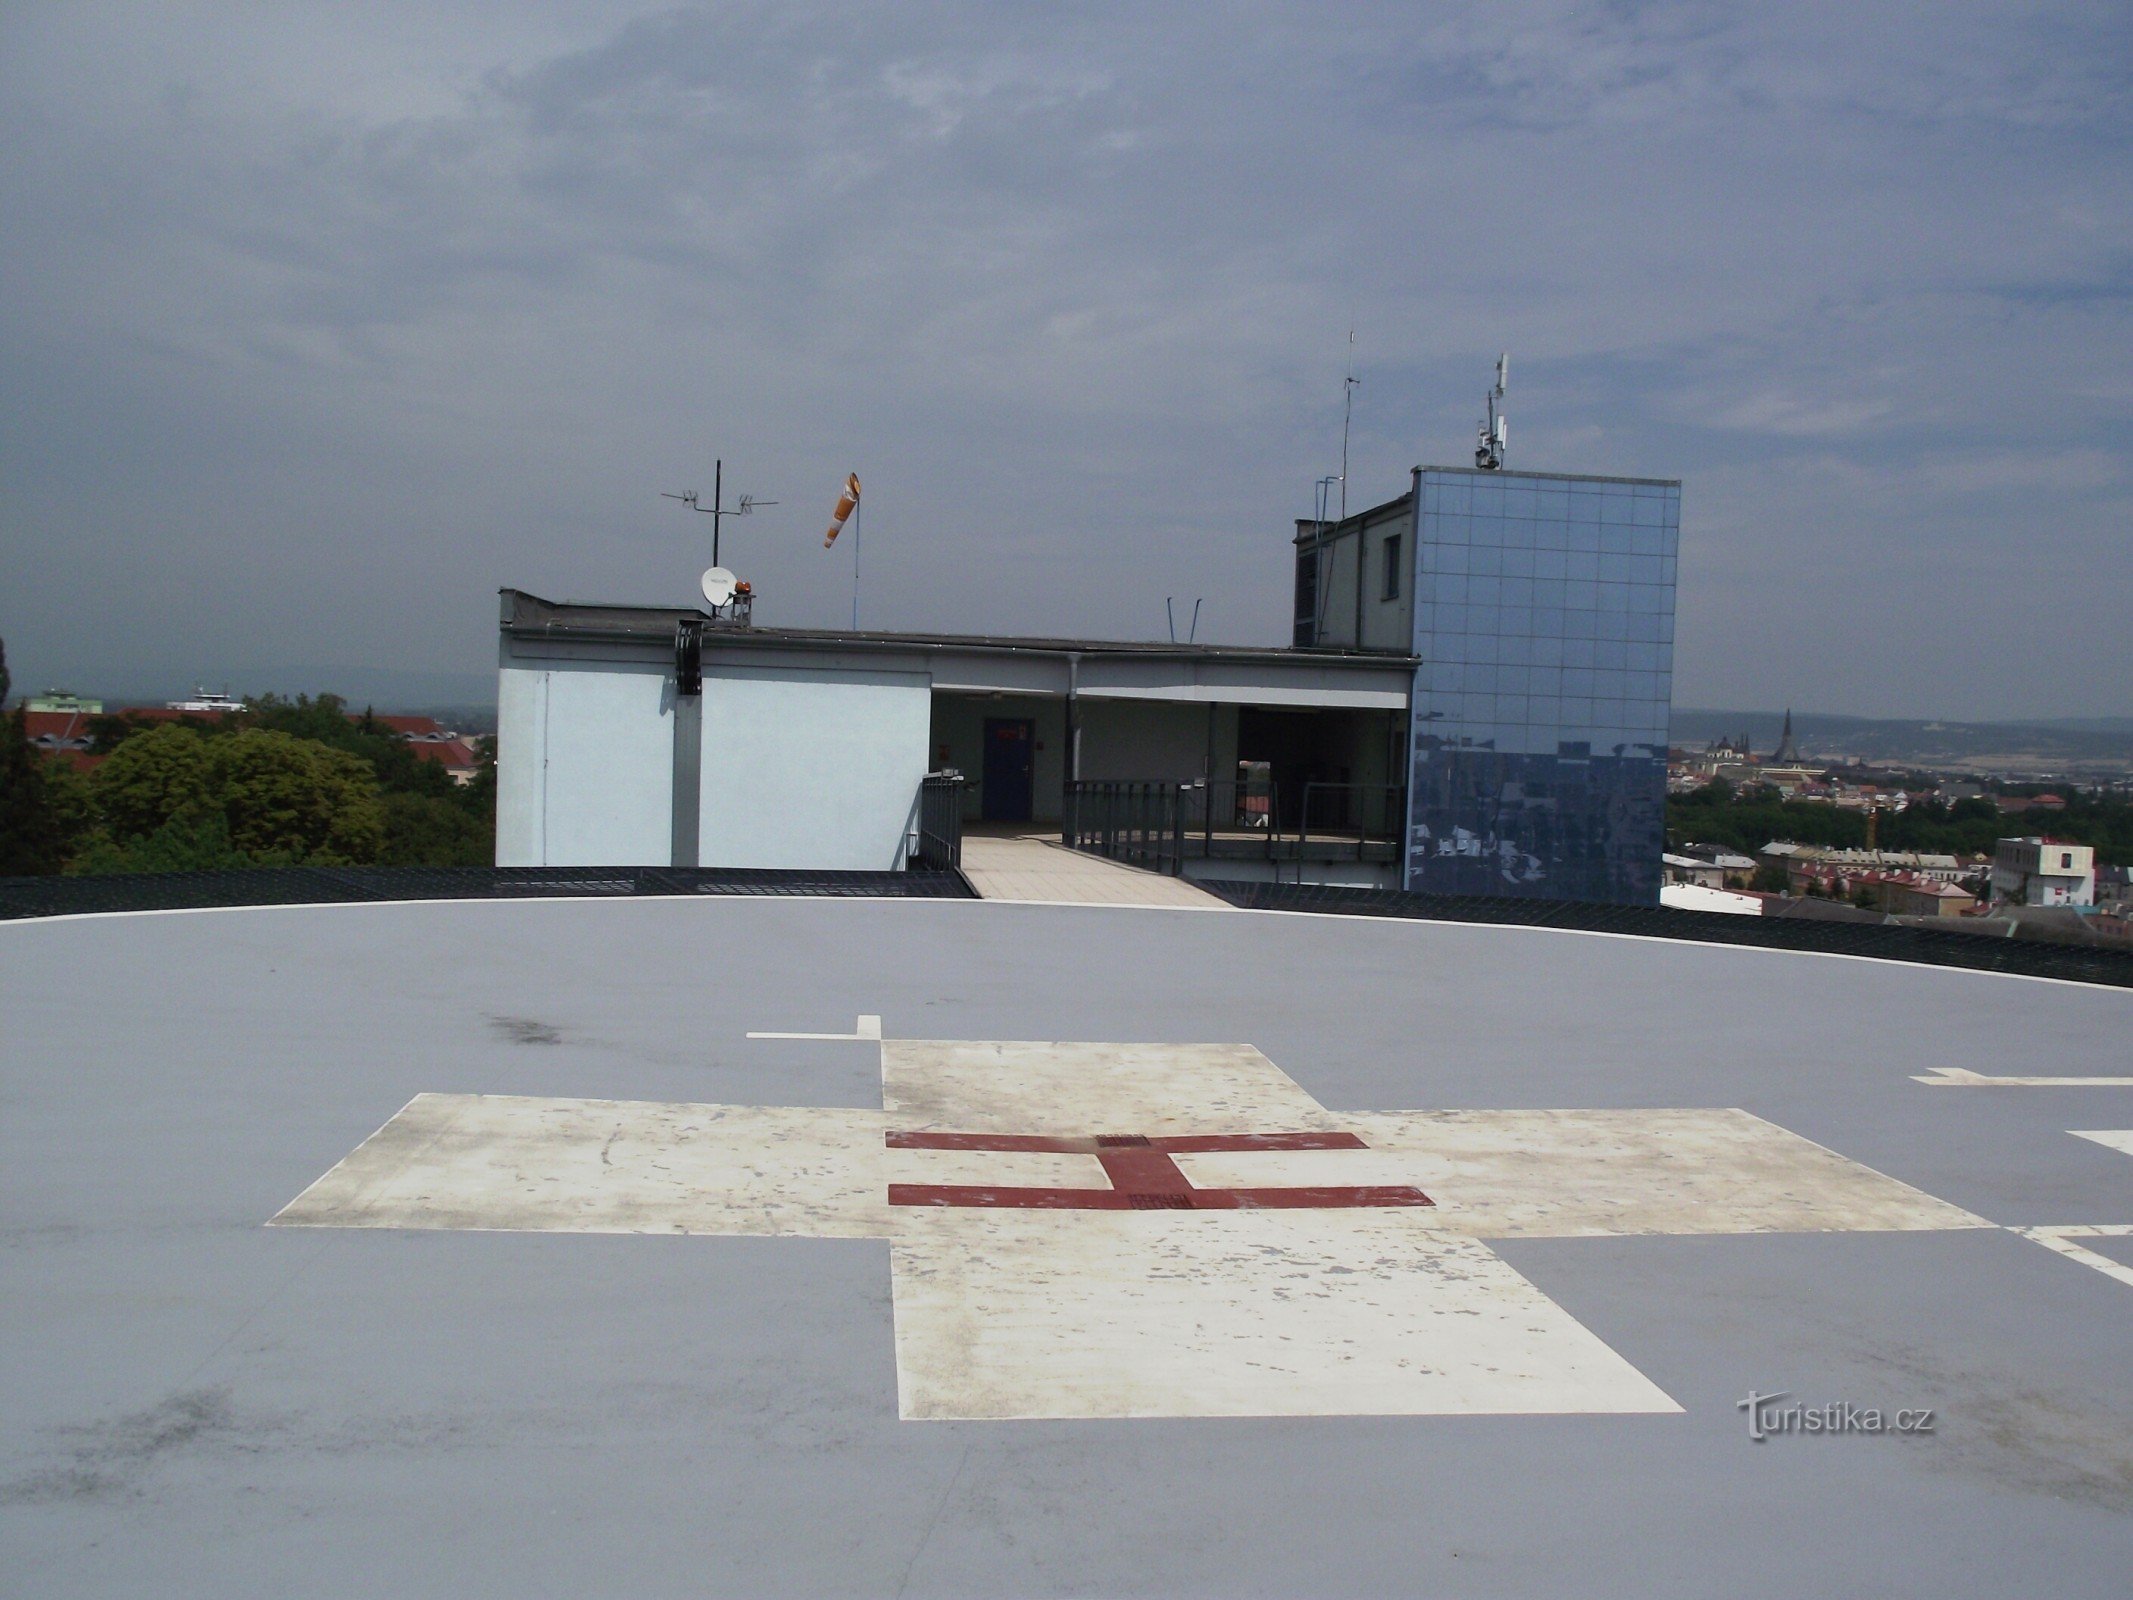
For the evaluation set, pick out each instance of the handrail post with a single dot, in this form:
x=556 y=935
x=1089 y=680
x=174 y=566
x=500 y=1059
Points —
x=1303 y=831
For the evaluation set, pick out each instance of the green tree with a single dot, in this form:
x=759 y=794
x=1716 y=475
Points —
x=32 y=841
x=175 y=798
x=195 y=841
x=67 y=792
x=430 y=831
x=149 y=779
x=288 y=796
x=426 y=819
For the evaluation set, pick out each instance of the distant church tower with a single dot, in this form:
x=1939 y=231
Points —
x=1787 y=754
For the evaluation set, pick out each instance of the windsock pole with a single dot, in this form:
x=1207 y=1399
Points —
x=848 y=507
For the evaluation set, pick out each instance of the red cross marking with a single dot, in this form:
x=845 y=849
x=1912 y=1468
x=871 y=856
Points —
x=1143 y=1175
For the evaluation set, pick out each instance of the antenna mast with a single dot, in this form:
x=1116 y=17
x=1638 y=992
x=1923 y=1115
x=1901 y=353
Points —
x=717 y=511
x=1495 y=427
x=1347 y=412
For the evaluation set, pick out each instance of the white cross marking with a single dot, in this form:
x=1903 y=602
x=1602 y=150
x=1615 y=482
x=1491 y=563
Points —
x=1022 y=1309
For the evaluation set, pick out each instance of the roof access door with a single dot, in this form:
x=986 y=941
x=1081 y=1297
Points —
x=1010 y=746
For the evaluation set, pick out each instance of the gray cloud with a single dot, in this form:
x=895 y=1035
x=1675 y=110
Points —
x=323 y=326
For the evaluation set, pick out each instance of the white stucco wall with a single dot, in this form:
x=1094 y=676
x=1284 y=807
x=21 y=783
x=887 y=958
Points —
x=811 y=769
x=585 y=766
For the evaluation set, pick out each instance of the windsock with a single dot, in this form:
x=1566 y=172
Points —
x=847 y=503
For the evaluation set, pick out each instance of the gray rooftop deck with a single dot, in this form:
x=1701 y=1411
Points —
x=193 y=1402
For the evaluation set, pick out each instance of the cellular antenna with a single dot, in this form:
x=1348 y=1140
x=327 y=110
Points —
x=1495 y=426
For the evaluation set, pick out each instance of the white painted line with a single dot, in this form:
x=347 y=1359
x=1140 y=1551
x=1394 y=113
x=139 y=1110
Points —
x=2061 y=1239
x=2119 y=1139
x=869 y=1028
x=1964 y=1078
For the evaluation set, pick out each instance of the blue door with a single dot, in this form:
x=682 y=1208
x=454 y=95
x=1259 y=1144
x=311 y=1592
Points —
x=1010 y=756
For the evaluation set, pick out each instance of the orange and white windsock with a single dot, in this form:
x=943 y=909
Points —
x=847 y=503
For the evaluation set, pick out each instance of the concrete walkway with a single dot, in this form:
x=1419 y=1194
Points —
x=1033 y=867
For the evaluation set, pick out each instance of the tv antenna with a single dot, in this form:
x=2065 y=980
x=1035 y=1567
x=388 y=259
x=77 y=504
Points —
x=1347 y=412
x=717 y=510
x=1495 y=427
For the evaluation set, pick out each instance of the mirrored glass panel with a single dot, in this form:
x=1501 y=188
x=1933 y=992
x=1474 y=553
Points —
x=1539 y=733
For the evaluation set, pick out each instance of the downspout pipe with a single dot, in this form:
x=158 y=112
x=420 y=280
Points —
x=1071 y=766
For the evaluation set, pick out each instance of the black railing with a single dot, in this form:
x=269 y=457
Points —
x=940 y=821
x=1327 y=821
x=1341 y=814
x=1139 y=823
x=1880 y=941
x=1157 y=824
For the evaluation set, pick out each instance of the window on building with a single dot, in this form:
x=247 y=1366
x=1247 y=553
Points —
x=1391 y=587
x=2066 y=859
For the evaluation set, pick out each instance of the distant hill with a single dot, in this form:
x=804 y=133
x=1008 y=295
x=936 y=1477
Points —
x=2070 y=747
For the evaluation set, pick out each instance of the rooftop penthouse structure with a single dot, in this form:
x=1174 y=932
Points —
x=1474 y=701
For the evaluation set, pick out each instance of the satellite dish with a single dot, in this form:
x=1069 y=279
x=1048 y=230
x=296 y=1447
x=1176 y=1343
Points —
x=718 y=586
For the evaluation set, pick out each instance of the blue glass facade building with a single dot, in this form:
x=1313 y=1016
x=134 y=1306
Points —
x=1544 y=624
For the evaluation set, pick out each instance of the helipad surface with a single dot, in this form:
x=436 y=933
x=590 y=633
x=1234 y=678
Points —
x=876 y=1247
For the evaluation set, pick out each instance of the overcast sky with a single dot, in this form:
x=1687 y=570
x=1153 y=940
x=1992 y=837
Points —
x=320 y=324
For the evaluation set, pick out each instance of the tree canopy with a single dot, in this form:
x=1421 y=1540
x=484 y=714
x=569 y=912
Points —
x=173 y=796
x=1751 y=818
x=286 y=782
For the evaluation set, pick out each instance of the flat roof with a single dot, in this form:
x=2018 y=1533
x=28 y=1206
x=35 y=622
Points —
x=1308 y=528
x=587 y=1276
x=1564 y=477
x=529 y=616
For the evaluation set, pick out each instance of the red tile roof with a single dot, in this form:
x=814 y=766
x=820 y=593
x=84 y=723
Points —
x=455 y=754
x=56 y=724
x=409 y=727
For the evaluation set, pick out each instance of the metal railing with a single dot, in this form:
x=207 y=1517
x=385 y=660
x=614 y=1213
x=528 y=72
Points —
x=1251 y=818
x=1157 y=824
x=1139 y=823
x=1361 y=814
x=940 y=821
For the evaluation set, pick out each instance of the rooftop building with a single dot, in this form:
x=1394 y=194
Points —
x=2044 y=872
x=1474 y=701
x=1540 y=610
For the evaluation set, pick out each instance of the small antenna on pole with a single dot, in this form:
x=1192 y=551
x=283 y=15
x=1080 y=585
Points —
x=717 y=511
x=1495 y=427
